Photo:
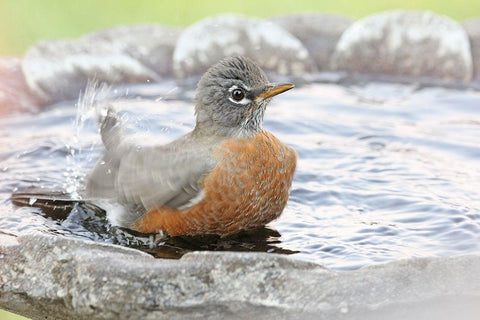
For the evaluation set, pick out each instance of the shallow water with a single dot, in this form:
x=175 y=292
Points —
x=385 y=172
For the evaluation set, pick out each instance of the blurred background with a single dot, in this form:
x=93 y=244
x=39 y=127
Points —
x=24 y=22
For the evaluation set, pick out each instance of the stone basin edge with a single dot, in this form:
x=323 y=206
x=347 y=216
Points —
x=50 y=276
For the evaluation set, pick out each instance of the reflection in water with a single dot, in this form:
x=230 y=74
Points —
x=84 y=215
x=261 y=240
x=385 y=172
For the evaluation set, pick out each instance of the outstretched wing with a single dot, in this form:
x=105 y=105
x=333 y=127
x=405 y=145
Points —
x=142 y=178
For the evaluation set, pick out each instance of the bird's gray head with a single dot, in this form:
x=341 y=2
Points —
x=231 y=97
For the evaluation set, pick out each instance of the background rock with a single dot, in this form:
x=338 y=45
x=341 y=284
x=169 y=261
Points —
x=44 y=276
x=473 y=30
x=406 y=43
x=152 y=45
x=399 y=43
x=59 y=70
x=14 y=92
x=207 y=41
x=319 y=33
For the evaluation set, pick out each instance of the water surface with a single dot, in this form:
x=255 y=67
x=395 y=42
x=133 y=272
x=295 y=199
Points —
x=385 y=172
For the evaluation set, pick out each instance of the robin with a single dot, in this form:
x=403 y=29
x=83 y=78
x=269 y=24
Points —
x=227 y=175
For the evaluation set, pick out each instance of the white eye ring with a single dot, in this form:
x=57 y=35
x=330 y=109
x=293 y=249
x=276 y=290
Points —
x=241 y=99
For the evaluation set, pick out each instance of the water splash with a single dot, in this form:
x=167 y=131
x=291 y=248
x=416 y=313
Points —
x=91 y=104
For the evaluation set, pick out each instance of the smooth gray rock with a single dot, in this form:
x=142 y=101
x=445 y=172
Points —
x=406 y=43
x=14 y=93
x=59 y=70
x=44 y=276
x=152 y=45
x=209 y=40
x=319 y=33
x=473 y=30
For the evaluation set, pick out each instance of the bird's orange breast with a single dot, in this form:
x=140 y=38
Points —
x=248 y=188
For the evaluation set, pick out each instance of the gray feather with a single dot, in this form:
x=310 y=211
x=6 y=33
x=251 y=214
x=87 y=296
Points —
x=142 y=178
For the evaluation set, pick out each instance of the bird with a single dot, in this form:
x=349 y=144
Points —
x=227 y=175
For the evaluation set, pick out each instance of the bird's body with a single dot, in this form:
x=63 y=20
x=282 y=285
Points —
x=227 y=175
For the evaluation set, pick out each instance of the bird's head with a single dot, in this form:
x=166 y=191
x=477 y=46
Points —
x=231 y=97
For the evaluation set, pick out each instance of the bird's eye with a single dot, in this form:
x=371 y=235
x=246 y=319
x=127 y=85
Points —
x=238 y=94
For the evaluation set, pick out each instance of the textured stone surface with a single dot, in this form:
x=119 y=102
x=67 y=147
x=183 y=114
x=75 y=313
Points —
x=473 y=30
x=406 y=43
x=207 y=41
x=43 y=276
x=14 y=93
x=59 y=70
x=319 y=33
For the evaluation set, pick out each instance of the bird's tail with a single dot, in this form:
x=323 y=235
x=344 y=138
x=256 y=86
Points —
x=101 y=180
x=111 y=129
x=53 y=203
x=59 y=205
x=97 y=97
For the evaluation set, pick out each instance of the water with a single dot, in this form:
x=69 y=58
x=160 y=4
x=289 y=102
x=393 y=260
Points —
x=385 y=172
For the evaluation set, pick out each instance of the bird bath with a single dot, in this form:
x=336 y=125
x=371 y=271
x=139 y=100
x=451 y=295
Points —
x=385 y=172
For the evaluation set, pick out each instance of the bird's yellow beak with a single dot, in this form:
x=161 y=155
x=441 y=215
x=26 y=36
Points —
x=273 y=90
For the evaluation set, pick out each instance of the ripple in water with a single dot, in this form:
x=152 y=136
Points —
x=385 y=172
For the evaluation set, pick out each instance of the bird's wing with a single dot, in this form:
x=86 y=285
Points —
x=141 y=178
x=167 y=175
x=101 y=180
